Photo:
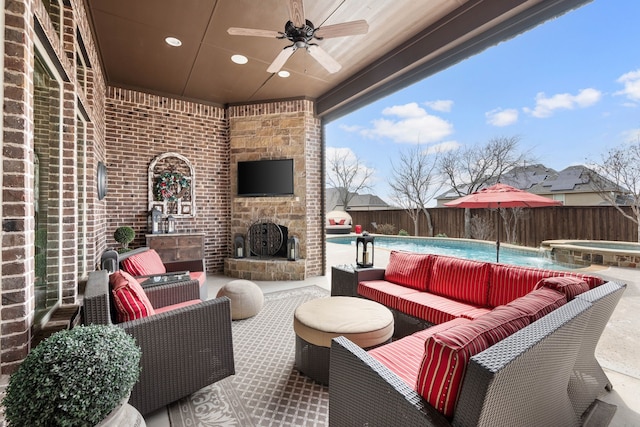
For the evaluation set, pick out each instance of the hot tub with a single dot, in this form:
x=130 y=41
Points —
x=599 y=252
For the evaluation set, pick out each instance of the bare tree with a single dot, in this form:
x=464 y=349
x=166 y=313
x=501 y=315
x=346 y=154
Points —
x=618 y=180
x=414 y=184
x=510 y=218
x=347 y=174
x=472 y=168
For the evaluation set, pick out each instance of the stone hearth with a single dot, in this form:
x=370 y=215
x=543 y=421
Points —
x=255 y=268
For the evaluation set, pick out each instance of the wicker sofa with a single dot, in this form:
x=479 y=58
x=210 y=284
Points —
x=183 y=349
x=520 y=354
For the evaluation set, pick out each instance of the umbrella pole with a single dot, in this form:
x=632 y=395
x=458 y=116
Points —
x=498 y=235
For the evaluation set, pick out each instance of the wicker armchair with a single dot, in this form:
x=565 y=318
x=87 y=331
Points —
x=183 y=350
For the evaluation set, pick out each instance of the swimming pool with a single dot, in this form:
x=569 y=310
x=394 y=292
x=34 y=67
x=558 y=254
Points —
x=462 y=248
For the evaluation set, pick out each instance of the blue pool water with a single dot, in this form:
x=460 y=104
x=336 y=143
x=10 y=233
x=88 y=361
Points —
x=476 y=250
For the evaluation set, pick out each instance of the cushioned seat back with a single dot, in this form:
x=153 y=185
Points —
x=448 y=352
x=144 y=263
x=508 y=282
x=460 y=279
x=409 y=269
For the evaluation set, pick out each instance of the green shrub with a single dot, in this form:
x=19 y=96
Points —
x=73 y=378
x=388 y=229
x=441 y=235
x=124 y=236
x=403 y=232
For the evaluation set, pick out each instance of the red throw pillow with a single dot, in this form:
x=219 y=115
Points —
x=130 y=300
x=569 y=286
x=332 y=221
x=444 y=364
x=409 y=269
x=144 y=263
x=341 y=222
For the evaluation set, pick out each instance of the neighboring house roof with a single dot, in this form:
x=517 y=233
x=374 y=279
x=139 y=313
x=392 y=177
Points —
x=525 y=177
x=574 y=179
x=539 y=179
x=357 y=202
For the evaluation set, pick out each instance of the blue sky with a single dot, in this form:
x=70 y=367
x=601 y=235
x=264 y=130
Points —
x=569 y=89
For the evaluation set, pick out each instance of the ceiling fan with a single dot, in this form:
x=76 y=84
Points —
x=301 y=33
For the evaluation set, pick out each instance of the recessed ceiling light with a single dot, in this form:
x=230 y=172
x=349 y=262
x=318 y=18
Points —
x=172 y=41
x=239 y=59
x=284 y=73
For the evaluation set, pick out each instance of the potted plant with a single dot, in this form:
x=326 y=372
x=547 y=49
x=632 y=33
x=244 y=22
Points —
x=124 y=235
x=76 y=377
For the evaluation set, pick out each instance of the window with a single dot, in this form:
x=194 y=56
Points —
x=47 y=107
x=81 y=175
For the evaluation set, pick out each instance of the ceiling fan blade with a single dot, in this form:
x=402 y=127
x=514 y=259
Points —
x=321 y=55
x=296 y=13
x=345 y=29
x=234 y=31
x=282 y=57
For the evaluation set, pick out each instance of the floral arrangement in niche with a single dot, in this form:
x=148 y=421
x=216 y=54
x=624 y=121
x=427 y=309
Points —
x=170 y=186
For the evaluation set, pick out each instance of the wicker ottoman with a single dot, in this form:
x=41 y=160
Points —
x=366 y=323
x=246 y=298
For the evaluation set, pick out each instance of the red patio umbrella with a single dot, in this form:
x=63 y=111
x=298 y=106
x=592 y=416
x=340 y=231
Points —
x=501 y=196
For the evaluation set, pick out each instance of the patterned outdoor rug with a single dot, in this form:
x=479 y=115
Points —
x=266 y=390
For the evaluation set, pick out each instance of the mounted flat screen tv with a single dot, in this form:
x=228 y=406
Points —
x=262 y=178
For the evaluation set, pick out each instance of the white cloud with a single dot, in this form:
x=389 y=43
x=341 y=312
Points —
x=631 y=82
x=410 y=124
x=631 y=136
x=350 y=128
x=500 y=117
x=442 y=105
x=545 y=107
x=443 y=147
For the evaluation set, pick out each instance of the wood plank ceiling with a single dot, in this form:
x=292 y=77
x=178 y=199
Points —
x=407 y=41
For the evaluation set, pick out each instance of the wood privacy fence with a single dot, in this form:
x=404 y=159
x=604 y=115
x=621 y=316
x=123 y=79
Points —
x=558 y=222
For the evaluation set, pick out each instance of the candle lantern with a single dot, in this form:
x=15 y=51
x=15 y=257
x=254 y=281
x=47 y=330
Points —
x=155 y=221
x=238 y=246
x=293 y=248
x=364 y=250
x=171 y=224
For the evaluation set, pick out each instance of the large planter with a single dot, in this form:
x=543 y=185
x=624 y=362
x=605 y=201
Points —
x=123 y=415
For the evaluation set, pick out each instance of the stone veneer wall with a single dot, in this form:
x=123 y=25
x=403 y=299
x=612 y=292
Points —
x=278 y=130
x=139 y=127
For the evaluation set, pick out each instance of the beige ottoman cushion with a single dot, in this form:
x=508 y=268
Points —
x=246 y=298
x=364 y=322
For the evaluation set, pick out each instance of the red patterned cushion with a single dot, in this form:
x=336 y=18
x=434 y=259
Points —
x=179 y=305
x=448 y=352
x=130 y=300
x=409 y=269
x=539 y=302
x=444 y=364
x=569 y=286
x=144 y=263
x=460 y=279
x=509 y=282
x=432 y=308
x=386 y=293
x=501 y=322
x=332 y=221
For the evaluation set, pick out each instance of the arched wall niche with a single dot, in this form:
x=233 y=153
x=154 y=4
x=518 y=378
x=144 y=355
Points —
x=172 y=186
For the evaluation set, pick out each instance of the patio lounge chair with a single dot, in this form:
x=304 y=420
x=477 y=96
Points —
x=183 y=349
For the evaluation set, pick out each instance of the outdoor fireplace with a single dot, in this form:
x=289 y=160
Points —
x=267 y=239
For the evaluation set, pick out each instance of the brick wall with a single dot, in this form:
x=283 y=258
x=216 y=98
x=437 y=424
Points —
x=18 y=172
x=141 y=126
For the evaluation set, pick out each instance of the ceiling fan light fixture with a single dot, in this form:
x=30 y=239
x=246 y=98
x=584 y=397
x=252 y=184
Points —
x=284 y=74
x=173 y=41
x=239 y=59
